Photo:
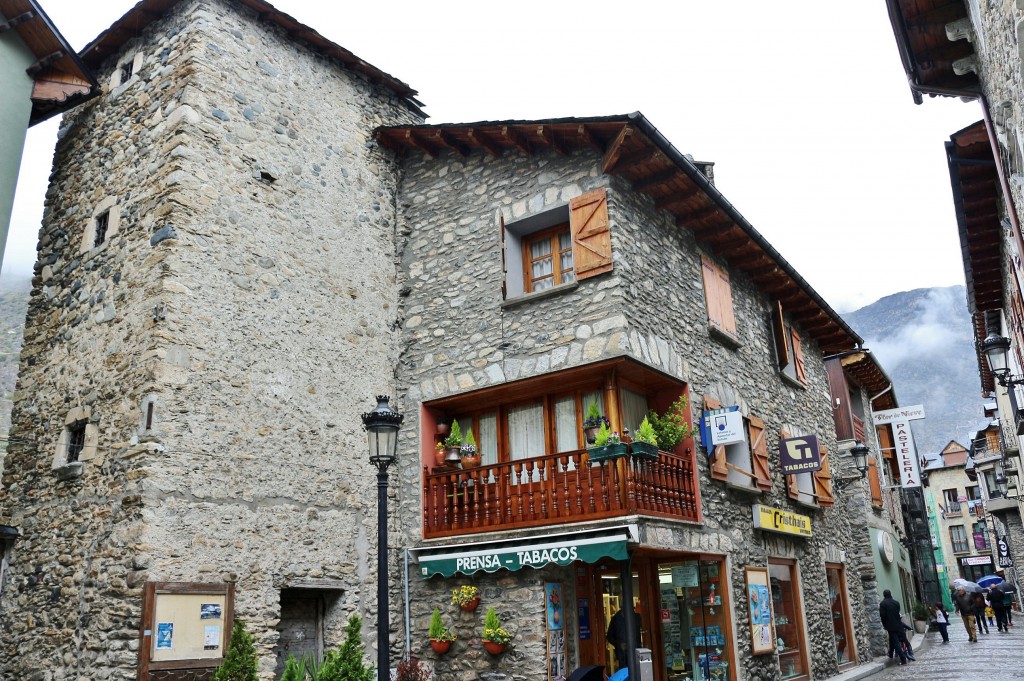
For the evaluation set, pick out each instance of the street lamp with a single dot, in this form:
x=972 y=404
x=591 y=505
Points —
x=996 y=349
x=859 y=452
x=1002 y=484
x=381 y=426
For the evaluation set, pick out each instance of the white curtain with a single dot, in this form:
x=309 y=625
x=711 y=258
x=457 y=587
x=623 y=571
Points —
x=526 y=431
x=488 y=439
x=566 y=433
x=634 y=409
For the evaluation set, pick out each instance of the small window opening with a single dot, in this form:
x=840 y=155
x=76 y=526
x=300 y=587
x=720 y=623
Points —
x=267 y=177
x=149 y=416
x=102 y=221
x=126 y=71
x=76 y=441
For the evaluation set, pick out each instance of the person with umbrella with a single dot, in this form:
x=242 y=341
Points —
x=995 y=598
x=965 y=604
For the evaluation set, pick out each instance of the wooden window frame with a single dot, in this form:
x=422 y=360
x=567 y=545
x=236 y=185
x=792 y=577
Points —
x=798 y=610
x=759 y=472
x=551 y=234
x=966 y=547
x=789 y=352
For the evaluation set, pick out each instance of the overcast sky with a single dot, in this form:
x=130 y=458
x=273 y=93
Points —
x=802 y=105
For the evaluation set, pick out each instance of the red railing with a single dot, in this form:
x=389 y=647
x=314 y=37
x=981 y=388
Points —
x=557 y=489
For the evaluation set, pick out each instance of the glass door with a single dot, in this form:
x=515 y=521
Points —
x=789 y=629
x=695 y=626
x=615 y=619
x=840 y=614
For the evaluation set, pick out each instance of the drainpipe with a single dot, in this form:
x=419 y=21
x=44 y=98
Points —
x=872 y=400
x=408 y=633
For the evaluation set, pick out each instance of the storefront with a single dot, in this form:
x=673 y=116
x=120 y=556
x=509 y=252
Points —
x=787 y=607
x=973 y=568
x=842 y=623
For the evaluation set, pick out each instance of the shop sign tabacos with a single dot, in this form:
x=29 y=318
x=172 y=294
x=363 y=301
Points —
x=773 y=519
x=799 y=454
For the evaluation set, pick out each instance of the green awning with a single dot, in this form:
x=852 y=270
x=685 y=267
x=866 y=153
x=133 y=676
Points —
x=558 y=549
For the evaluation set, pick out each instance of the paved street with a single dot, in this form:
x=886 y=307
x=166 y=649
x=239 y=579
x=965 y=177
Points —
x=995 y=657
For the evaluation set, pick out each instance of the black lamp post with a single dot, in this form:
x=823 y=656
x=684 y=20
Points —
x=382 y=432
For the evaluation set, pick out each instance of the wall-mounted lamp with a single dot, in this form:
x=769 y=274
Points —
x=997 y=349
x=859 y=452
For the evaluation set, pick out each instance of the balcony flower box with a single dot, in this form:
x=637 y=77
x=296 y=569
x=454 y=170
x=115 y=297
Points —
x=608 y=452
x=643 y=450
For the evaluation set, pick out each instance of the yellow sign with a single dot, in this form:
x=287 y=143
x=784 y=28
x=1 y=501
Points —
x=776 y=520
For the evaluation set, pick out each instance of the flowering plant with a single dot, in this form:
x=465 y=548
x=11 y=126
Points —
x=645 y=433
x=469 y=446
x=439 y=446
x=492 y=628
x=594 y=417
x=465 y=594
x=606 y=436
x=438 y=631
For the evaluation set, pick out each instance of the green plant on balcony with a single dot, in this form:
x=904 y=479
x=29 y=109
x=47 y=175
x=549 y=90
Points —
x=645 y=441
x=593 y=422
x=607 y=445
x=453 y=443
x=672 y=427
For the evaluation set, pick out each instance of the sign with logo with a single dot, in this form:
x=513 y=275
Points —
x=977 y=560
x=799 y=454
x=1003 y=550
x=772 y=519
x=899 y=414
x=885 y=547
x=907 y=465
x=726 y=427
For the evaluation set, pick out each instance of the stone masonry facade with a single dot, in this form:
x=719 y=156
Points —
x=459 y=336
x=221 y=343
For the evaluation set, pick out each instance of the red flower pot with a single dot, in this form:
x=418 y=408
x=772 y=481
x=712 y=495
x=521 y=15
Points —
x=471 y=461
x=471 y=606
x=440 y=647
x=494 y=648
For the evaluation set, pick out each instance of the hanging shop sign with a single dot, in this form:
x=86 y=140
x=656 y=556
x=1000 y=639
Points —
x=724 y=426
x=562 y=549
x=899 y=414
x=899 y=419
x=977 y=560
x=772 y=519
x=799 y=454
x=1003 y=550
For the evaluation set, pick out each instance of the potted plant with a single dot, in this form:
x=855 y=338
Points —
x=645 y=442
x=467 y=597
x=440 y=637
x=592 y=423
x=672 y=428
x=495 y=638
x=453 y=443
x=921 y=615
x=607 y=445
x=470 y=456
x=439 y=454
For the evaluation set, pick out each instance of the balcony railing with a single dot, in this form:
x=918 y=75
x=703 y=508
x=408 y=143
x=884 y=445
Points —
x=557 y=489
x=961 y=547
x=982 y=453
x=953 y=510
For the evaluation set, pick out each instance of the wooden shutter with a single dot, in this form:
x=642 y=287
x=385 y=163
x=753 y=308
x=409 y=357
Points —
x=591 y=234
x=885 y=442
x=781 y=339
x=798 y=356
x=759 y=453
x=823 y=481
x=792 y=488
x=874 y=482
x=719 y=471
x=501 y=245
x=718 y=294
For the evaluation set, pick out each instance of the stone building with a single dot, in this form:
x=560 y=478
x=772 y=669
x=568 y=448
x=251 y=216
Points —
x=199 y=347
x=972 y=50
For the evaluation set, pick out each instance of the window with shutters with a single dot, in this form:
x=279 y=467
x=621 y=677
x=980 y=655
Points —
x=958 y=536
x=874 y=482
x=556 y=248
x=743 y=465
x=788 y=348
x=718 y=296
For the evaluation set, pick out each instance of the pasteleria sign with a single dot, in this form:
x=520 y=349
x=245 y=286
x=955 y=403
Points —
x=899 y=420
x=772 y=519
x=799 y=454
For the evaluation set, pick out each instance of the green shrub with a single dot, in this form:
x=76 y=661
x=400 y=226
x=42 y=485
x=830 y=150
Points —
x=294 y=669
x=921 y=611
x=645 y=433
x=672 y=428
x=438 y=631
x=240 y=661
x=603 y=436
x=454 y=438
x=346 y=663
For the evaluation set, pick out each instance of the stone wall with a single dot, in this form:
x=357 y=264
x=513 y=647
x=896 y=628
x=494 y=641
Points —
x=249 y=296
x=459 y=336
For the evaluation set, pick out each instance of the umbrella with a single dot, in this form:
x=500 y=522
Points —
x=1005 y=587
x=969 y=587
x=592 y=672
x=988 y=581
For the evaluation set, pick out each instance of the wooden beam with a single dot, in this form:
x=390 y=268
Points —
x=656 y=179
x=588 y=136
x=641 y=156
x=410 y=138
x=758 y=265
x=615 y=151
x=513 y=138
x=697 y=216
x=548 y=136
x=674 y=198
x=14 y=21
x=44 y=62
x=446 y=139
x=484 y=142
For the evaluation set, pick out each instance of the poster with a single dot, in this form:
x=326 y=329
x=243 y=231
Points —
x=759 y=606
x=553 y=598
x=211 y=637
x=557 y=658
x=684 y=576
x=210 y=611
x=164 y=635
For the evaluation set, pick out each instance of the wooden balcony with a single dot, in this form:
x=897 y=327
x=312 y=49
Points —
x=555 y=490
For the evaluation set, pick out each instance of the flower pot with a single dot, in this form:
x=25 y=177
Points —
x=591 y=434
x=453 y=456
x=471 y=461
x=440 y=647
x=439 y=456
x=643 y=450
x=471 y=606
x=494 y=648
x=608 y=452
x=442 y=428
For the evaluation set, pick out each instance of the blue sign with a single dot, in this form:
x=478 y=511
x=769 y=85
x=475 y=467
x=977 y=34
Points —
x=583 y=618
x=799 y=455
x=705 y=428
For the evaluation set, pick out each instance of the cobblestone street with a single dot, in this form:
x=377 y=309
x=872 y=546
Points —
x=995 y=657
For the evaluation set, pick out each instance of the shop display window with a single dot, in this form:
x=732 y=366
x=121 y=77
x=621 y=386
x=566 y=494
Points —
x=840 y=614
x=786 y=607
x=696 y=629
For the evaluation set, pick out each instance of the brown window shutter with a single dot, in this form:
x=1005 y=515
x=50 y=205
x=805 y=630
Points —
x=874 y=482
x=501 y=245
x=710 y=272
x=798 y=356
x=725 y=300
x=719 y=471
x=885 y=442
x=792 y=488
x=823 y=481
x=591 y=234
x=759 y=453
x=781 y=341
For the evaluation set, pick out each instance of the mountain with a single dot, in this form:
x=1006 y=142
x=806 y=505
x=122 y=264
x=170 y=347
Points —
x=923 y=340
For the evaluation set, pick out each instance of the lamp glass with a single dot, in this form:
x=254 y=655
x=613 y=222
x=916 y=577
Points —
x=859 y=452
x=996 y=348
x=382 y=426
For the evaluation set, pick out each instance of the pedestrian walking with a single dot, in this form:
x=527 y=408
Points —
x=889 y=614
x=979 y=612
x=965 y=604
x=941 y=621
x=1008 y=605
x=995 y=597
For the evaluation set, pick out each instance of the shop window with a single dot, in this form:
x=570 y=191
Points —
x=718 y=298
x=557 y=247
x=788 y=348
x=842 y=628
x=743 y=465
x=958 y=537
x=695 y=623
x=787 y=608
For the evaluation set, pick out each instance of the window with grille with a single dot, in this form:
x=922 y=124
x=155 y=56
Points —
x=127 y=69
x=102 y=222
x=76 y=441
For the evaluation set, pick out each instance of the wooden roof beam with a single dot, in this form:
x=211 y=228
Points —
x=615 y=151
x=656 y=179
x=14 y=21
x=44 y=62
x=686 y=219
x=411 y=140
x=674 y=198
x=587 y=135
x=478 y=138
x=446 y=139
x=719 y=226
x=513 y=138
x=641 y=156
x=547 y=135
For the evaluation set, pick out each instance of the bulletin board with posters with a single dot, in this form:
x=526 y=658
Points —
x=185 y=626
x=555 y=624
x=759 y=604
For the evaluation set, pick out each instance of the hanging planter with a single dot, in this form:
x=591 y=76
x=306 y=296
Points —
x=467 y=597
x=470 y=606
x=440 y=647
x=495 y=638
x=643 y=450
x=495 y=648
x=608 y=452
